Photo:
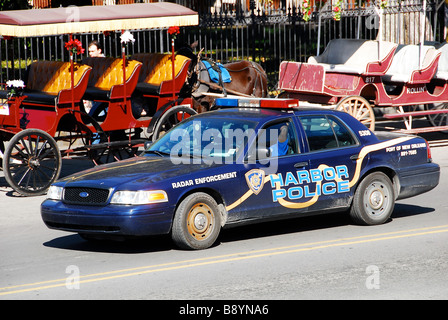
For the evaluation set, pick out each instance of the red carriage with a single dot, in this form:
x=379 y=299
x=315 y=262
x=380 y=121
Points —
x=46 y=121
x=355 y=75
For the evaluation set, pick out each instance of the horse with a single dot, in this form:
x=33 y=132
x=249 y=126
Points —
x=248 y=79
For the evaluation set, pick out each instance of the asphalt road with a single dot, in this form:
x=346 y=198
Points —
x=323 y=257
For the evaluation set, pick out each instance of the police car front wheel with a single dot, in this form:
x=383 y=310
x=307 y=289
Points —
x=197 y=222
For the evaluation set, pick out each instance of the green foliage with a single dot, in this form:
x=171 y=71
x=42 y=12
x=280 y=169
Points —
x=13 y=5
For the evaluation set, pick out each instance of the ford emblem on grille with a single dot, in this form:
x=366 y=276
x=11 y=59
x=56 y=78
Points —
x=84 y=194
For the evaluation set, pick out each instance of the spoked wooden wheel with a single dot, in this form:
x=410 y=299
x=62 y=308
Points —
x=112 y=151
x=359 y=108
x=2 y=152
x=440 y=119
x=32 y=162
x=170 y=119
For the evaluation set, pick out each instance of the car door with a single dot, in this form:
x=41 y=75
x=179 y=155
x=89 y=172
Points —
x=333 y=156
x=272 y=186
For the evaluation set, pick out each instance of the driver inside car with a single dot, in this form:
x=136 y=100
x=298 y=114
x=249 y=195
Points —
x=281 y=147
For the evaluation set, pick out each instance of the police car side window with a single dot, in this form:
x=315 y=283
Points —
x=280 y=139
x=325 y=133
x=343 y=135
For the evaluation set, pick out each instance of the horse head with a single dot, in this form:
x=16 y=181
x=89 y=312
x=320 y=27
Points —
x=248 y=79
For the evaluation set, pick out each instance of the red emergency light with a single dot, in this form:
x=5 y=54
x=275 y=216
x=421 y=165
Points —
x=267 y=103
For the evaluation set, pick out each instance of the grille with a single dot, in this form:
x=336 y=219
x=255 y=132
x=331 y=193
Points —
x=90 y=196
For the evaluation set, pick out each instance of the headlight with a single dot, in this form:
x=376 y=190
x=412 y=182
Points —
x=55 y=193
x=139 y=197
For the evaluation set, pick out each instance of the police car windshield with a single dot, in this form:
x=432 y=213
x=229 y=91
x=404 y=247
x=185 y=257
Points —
x=207 y=138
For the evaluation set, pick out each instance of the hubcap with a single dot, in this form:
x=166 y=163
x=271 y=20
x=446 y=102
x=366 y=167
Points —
x=377 y=199
x=200 y=221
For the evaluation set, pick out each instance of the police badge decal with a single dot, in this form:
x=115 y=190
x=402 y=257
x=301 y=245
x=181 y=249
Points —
x=255 y=180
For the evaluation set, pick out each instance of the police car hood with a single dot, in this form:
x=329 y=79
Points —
x=134 y=173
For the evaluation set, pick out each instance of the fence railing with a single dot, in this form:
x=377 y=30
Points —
x=263 y=34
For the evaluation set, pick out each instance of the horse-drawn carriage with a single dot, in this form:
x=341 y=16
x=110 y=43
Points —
x=353 y=75
x=47 y=121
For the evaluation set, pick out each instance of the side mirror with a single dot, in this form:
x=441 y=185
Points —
x=263 y=153
x=259 y=154
x=147 y=144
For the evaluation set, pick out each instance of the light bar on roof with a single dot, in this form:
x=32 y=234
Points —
x=268 y=103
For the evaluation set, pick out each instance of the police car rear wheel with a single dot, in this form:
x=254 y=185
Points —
x=374 y=200
x=197 y=222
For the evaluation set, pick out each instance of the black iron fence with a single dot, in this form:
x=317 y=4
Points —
x=265 y=34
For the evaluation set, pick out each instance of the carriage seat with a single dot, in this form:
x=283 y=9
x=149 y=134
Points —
x=49 y=82
x=442 y=68
x=156 y=77
x=355 y=56
x=405 y=66
x=106 y=80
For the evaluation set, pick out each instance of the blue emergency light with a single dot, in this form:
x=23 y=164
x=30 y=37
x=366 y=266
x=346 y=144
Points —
x=275 y=103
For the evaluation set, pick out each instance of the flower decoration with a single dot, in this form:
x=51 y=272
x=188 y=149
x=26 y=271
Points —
x=173 y=31
x=337 y=10
x=127 y=37
x=74 y=46
x=306 y=10
x=15 y=88
x=383 y=4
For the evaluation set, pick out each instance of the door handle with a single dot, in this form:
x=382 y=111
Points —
x=354 y=157
x=301 y=164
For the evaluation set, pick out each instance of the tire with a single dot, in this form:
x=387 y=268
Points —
x=170 y=119
x=374 y=200
x=32 y=162
x=2 y=152
x=197 y=222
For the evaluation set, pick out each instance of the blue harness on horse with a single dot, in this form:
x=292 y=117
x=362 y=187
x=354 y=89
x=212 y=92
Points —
x=214 y=73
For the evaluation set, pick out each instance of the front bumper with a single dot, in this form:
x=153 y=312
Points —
x=417 y=180
x=119 y=220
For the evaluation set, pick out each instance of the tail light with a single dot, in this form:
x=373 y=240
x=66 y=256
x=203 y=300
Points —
x=428 y=152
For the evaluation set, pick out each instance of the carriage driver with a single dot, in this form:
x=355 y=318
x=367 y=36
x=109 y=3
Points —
x=95 y=49
x=91 y=107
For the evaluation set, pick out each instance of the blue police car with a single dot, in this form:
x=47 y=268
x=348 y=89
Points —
x=265 y=159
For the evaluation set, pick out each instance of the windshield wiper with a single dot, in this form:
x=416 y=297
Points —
x=159 y=153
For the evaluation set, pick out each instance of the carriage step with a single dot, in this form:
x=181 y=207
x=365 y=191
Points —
x=423 y=130
x=414 y=113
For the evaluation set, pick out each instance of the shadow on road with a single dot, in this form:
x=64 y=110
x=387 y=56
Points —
x=240 y=233
x=143 y=245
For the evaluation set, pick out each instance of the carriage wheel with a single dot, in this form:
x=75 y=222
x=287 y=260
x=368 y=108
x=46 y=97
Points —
x=440 y=119
x=32 y=162
x=2 y=152
x=170 y=119
x=112 y=152
x=359 y=108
